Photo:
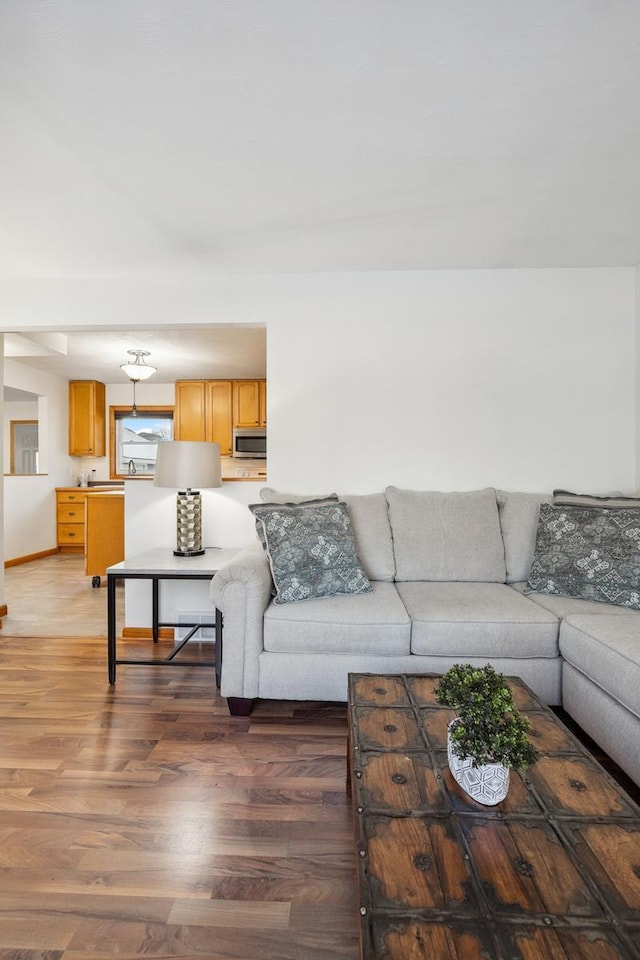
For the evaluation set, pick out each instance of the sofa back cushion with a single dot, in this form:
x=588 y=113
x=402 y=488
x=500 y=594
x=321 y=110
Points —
x=446 y=536
x=370 y=524
x=372 y=531
x=519 y=522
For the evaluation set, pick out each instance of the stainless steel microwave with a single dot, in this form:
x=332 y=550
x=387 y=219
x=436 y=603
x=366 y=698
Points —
x=250 y=442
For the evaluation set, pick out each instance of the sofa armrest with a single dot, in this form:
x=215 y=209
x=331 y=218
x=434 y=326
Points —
x=241 y=590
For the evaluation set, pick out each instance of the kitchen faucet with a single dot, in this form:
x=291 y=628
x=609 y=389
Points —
x=132 y=468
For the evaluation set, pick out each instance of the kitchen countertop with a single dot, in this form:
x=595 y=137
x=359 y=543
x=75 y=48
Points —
x=232 y=468
x=239 y=468
x=112 y=488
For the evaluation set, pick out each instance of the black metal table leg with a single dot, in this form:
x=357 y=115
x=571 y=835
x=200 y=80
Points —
x=218 y=648
x=155 y=607
x=111 y=627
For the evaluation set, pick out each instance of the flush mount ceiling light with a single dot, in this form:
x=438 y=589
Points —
x=137 y=370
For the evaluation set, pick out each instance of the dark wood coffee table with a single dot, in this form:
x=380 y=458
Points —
x=551 y=873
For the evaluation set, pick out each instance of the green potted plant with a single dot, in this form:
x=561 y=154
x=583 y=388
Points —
x=489 y=735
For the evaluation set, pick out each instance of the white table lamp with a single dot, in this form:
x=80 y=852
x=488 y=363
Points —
x=187 y=465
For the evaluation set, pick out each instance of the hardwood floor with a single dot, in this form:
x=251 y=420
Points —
x=142 y=820
x=53 y=597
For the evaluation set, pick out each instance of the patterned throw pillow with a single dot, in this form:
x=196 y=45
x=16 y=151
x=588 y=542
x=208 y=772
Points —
x=588 y=552
x=295 y=501
x=311 y=550
x=565 y=498
x=269 y=495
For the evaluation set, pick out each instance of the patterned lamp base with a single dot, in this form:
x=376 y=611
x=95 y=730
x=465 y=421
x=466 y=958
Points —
x=488 y=784
x=189 y=524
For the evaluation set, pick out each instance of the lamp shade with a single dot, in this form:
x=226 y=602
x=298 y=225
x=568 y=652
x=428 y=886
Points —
x=187 y=464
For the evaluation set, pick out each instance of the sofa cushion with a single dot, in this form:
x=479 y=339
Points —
x=372 y=531
x=519 y=523
x=373 y=623
x=588 y=552
x=566 y=606
x=477 y=620
x=606 y=649
x=446 y=536
x=311 y=550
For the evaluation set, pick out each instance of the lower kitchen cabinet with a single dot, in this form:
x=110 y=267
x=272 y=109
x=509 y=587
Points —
x=70 y=519
x=104 y=534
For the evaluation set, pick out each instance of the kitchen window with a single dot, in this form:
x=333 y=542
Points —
x=134 y=439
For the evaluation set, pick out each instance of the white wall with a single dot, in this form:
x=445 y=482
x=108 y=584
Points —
x=523 y=379
x=2 y=554
x=29 y=502
x=449 y=380
x=637 y=405
x=150 y=521
x=15 y=410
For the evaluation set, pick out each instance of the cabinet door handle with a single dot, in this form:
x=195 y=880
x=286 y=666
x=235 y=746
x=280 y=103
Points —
x=72 y=534
x=72 y=513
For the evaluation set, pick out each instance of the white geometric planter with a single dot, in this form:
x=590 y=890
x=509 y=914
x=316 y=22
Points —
x=488 y=784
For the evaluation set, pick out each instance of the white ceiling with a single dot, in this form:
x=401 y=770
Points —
x=186 y=138
x=216 y=352
x=141 y=137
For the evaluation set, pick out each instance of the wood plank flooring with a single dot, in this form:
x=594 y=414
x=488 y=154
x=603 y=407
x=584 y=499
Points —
x=142 y=820
x=53 y=597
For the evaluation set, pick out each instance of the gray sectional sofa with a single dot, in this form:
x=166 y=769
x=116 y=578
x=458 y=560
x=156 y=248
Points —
x=449 y=574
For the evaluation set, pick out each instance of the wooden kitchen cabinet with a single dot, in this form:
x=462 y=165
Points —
x=190 y=410
x=249 y=403
x=210 y=409
x=70 y=519
x=262 y=385
x=219 y=401
x=203 y=411
x=104 y=534
x=87 y=418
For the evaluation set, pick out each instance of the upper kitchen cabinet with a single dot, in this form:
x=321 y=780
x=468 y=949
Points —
x=190 y=410
x=262 y=384
x=220 y=407
x=87 y=419
x=249 y=403
x=203 y=411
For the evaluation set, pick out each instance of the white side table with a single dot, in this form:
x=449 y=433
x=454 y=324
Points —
x=156 y=565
